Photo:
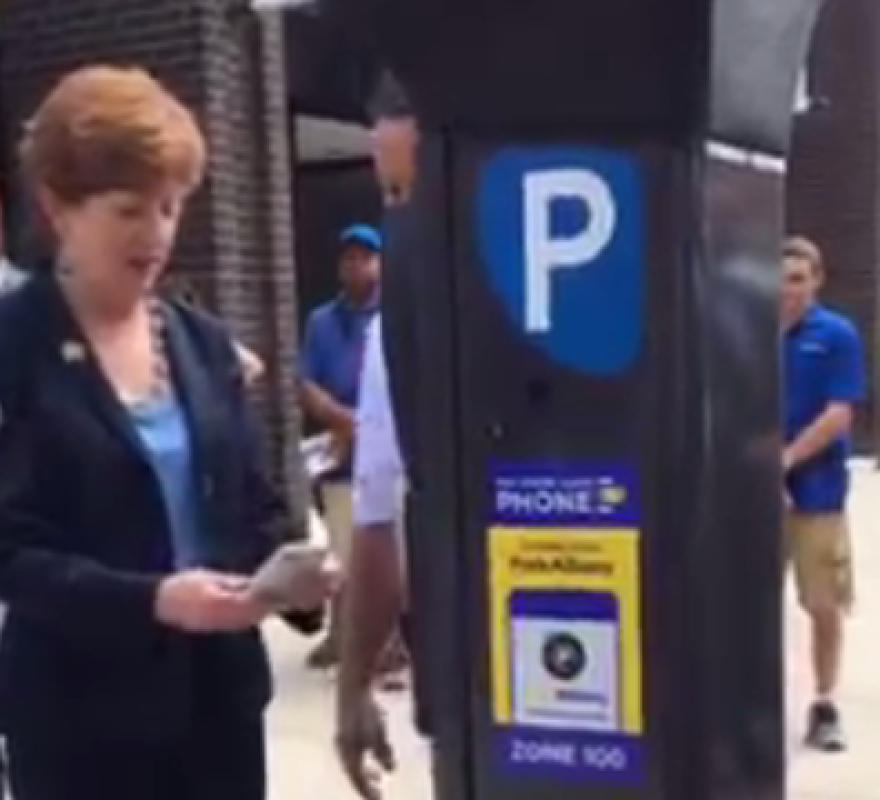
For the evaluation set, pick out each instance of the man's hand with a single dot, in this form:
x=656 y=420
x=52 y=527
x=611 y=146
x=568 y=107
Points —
x=788 y=464
x=325 y=409
x=373 y=604
x=788 y=461
x=361 y=733
x=835 y=421
x=201 y=601
x=341 y=444
x=395 y=152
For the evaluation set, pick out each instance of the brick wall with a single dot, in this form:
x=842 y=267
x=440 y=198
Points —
x=236 y=248
x=833 y=195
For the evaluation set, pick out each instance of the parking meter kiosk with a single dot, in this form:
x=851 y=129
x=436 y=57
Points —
x=586 y=280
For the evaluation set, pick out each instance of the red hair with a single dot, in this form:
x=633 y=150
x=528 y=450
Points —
x=106 y=128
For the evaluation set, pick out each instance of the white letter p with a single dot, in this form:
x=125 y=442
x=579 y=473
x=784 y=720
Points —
x=545 y=253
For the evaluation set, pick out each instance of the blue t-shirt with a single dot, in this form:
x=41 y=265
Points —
x=333 y=351
x=333 y=348
x=824 y=364
x=164 y=432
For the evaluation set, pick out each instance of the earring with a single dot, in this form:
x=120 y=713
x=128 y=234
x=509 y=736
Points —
x=64 y=270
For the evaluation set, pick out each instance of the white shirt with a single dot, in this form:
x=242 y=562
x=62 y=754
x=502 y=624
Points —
x=379 y=478
x=10 y=276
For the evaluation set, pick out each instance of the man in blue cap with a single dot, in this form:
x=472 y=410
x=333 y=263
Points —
x=331 y=363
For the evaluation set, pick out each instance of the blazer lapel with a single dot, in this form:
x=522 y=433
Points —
x=79 y=365
x=191 y=380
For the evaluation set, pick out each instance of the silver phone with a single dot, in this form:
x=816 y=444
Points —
x=274 y=580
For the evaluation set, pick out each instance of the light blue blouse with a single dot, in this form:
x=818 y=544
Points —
x=164 y=432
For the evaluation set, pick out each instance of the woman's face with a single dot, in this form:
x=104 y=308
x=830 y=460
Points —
x=118 y=242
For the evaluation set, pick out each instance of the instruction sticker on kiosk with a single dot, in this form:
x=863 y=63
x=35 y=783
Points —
x=566 y=634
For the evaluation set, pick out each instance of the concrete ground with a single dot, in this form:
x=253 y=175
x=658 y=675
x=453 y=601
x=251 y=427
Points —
x=854 y=775
x=303 y=764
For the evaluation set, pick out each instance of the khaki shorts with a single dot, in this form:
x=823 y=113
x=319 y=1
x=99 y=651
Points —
x=336 y=498
x=819 y=548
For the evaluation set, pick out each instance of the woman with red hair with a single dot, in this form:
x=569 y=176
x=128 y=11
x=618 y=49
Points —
x=133 y=506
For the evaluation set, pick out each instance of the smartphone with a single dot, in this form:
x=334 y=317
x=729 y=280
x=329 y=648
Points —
x=273 y=581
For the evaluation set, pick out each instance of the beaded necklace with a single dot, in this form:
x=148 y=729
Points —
x=160 y=383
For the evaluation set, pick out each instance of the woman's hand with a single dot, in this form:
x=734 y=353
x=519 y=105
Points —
x=201 y=601
x=251 y=364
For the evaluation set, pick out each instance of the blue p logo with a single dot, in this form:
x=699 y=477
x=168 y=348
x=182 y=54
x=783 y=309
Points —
x=561 y=235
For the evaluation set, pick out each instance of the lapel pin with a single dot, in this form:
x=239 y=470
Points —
x=73 y=352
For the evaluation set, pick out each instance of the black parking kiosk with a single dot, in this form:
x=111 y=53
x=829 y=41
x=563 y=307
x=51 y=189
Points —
x=591 y=262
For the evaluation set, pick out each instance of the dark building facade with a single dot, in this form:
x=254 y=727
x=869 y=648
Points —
x=233 y=67
x=834 y=195
x=236 y=252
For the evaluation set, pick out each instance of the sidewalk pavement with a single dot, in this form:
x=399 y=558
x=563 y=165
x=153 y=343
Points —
x=302 y=762
x=854 y=775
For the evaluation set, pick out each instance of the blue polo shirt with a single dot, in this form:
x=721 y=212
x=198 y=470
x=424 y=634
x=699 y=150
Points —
x=333 y=351
x=824 y=364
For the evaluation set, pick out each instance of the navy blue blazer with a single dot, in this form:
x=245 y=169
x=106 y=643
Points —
x=84 y=540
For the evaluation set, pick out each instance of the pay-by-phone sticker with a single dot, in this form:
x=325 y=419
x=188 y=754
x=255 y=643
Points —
x=566 y=633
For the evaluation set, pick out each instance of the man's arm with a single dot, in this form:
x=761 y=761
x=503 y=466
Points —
x=318 y=402
x=834 y=422
x=376 y=585
x=846 y=388
x=320 y=405
x=395 y=141
x=374 y=603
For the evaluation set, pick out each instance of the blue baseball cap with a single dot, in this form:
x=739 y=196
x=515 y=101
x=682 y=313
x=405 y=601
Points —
x=364 y=236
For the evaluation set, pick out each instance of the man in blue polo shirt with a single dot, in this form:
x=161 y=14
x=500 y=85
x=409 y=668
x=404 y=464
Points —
x=824 y=380
x=331 y=363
